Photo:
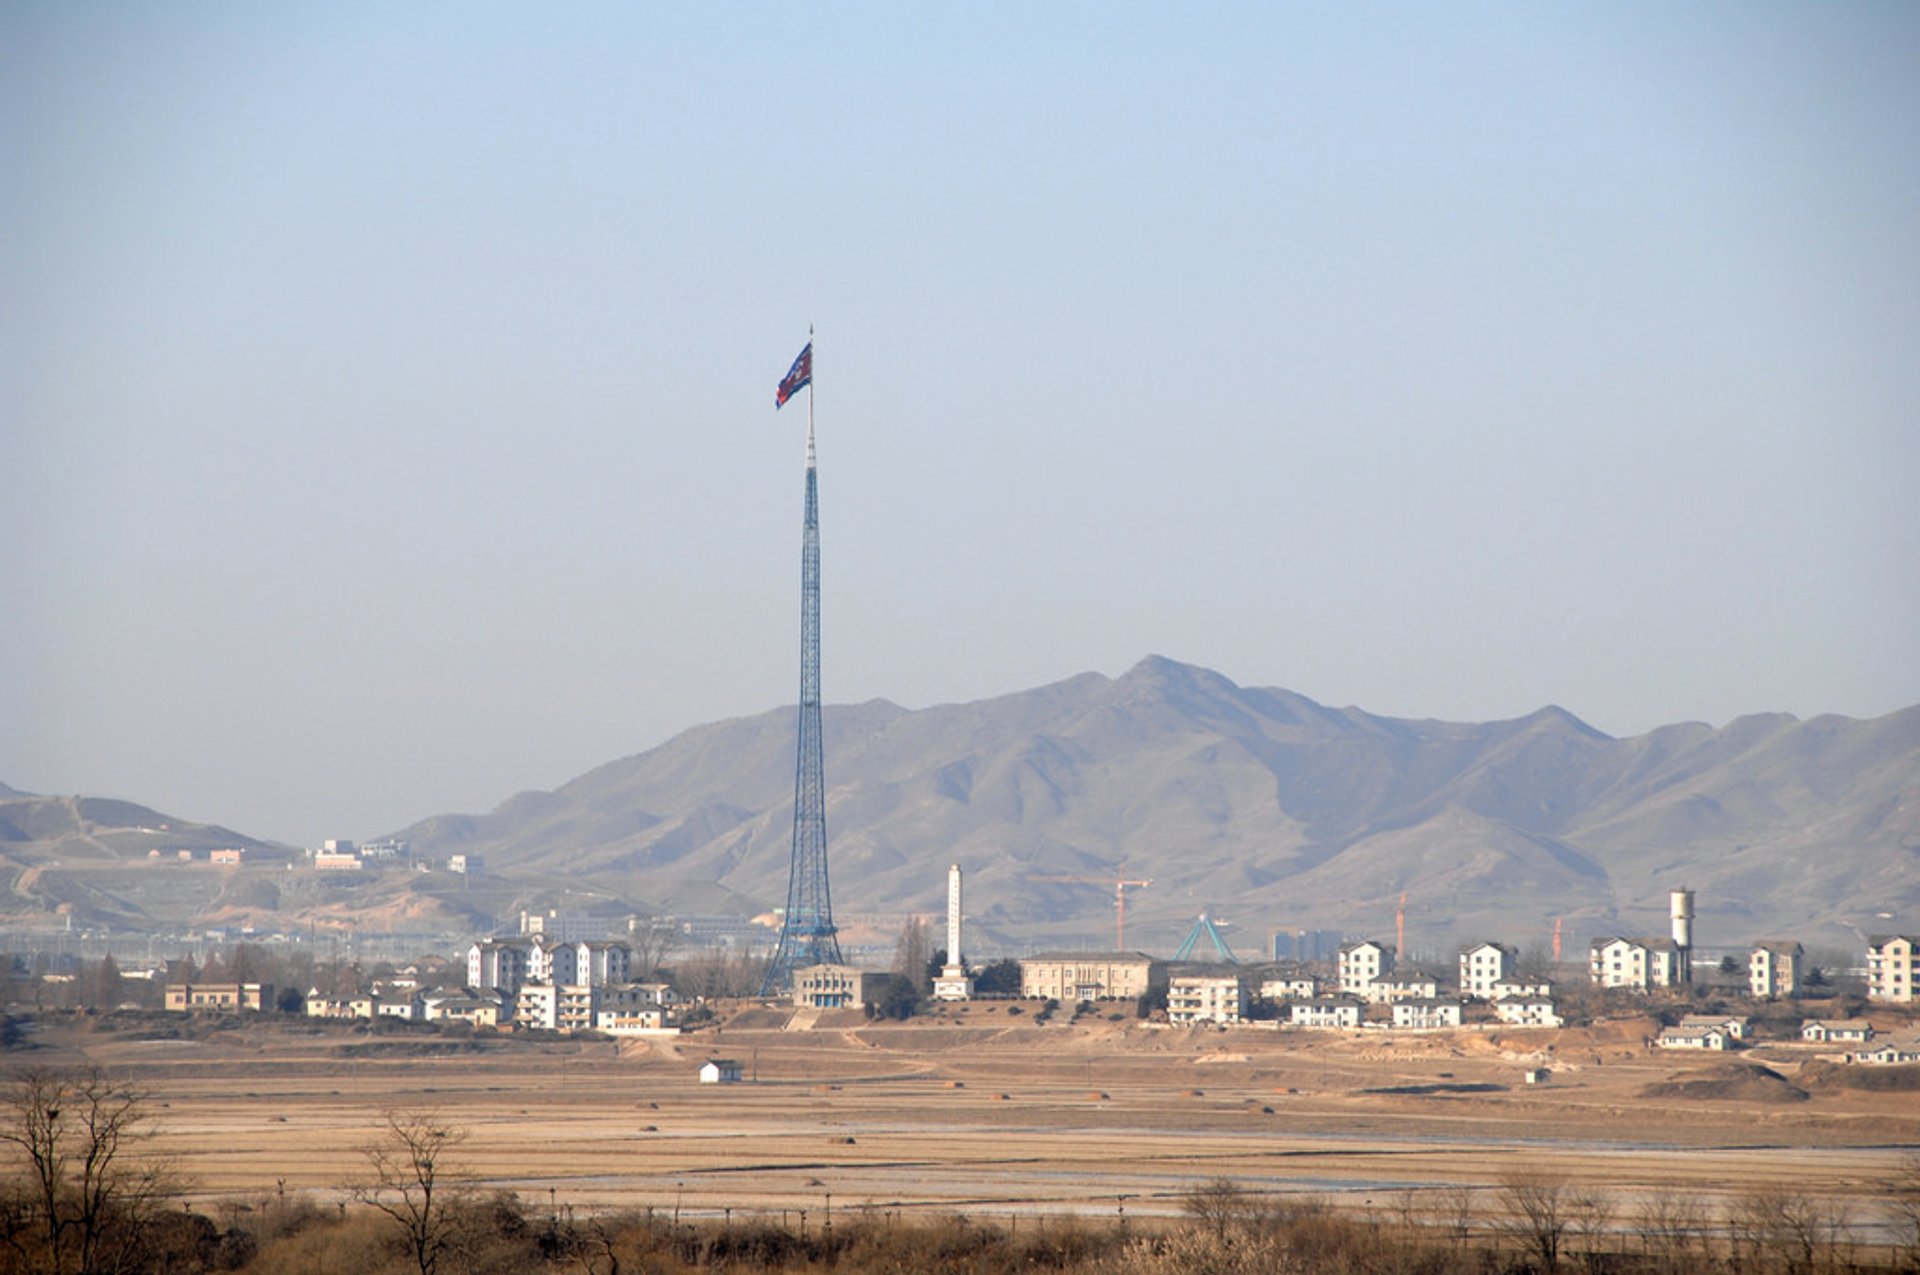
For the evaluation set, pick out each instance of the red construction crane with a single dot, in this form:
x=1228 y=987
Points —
x=1119 y=885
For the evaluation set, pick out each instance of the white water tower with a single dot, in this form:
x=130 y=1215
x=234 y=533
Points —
x=1681 y=909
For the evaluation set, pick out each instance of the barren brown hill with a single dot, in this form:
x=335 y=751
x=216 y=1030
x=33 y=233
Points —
x=1262 y=806
x=1258 y=805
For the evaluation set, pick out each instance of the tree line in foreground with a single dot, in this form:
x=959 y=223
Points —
x=80 y=1196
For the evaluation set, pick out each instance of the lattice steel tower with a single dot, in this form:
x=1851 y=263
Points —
x=807 y=936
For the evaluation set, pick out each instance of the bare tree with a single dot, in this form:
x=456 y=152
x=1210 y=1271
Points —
x=411 y=1182
x=1589 y=1214
x=84 y=1197
x=1538 y=1215
x=911 y=953
x=1221 y=1205
x=1456 y=1205
x=650 y=939
x=1670 y=1224
x=1904 y=1193
x=1788 y=1229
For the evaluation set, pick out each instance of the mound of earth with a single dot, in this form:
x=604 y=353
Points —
x=1834 y=1076
x=1734 y=1081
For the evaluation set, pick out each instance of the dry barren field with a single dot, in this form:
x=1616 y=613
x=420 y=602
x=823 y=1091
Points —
x=981 y=1113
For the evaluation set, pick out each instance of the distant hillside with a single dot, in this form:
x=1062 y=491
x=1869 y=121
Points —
x=100 y=829
x=1261 y=806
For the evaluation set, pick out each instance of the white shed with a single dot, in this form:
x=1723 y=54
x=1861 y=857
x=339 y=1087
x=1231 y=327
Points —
x=720 y=1071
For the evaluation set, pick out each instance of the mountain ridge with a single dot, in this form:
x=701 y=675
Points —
x=1247 y=799
x=1256 y=804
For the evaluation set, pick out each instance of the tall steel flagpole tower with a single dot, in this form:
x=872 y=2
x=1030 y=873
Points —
x=807 y=935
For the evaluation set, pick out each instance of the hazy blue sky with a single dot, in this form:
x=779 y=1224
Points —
x=386 y=390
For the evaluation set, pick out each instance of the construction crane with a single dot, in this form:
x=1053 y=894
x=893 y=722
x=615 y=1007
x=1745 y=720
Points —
x=1120 y=886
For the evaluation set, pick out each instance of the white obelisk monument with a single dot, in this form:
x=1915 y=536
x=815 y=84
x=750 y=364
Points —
x=953 y=984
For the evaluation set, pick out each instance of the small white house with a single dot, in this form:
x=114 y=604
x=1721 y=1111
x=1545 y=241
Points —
x=1715 y=1038
x=1325 y=1011
x=1426 y=1012
x=1527 y=1011
x=1825 y=1030
x=1889 y=1053
x=1290 y=987
x=720 y=1071
x=1403 y=985
x=1733 y=1024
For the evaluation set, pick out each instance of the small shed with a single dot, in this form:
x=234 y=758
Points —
x=720 y=1071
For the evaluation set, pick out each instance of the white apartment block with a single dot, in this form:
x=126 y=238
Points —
x=1640 y=964
x=1893 y=967
x=597 y=963
x=1512 y=986
x=1484 y=964
x=1773 y=968
x=1206 y=999
x=1361 y=964
x=563 y=1007
x=495 y=966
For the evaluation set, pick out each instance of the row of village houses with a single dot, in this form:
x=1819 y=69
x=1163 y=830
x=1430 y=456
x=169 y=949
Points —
x=586 y=985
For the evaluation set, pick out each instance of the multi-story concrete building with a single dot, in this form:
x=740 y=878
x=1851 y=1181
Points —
x=1640 y=964
x=1202 y=998
x=1773 y=968
x=1089 y=976
x=564 y=1007
x=1362 y=962
x=1893 y=968
x=562 y=927
x=593 y=961
x=496 y=966
x=1484 y=964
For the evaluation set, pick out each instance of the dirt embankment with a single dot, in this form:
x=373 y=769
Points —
x=1730 y=1082
x=1828 y=1077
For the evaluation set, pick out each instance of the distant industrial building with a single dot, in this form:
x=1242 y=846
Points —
x=1306 y=946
